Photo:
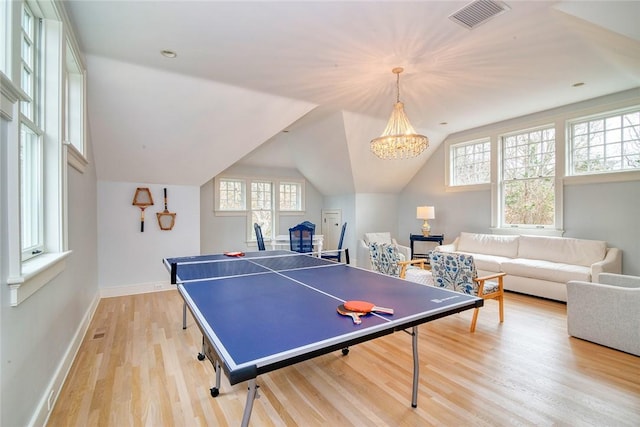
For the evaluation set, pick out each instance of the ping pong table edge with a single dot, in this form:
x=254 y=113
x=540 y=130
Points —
x=247 y=373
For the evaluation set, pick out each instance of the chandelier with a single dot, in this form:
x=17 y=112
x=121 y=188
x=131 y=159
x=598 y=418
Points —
x=399 y=139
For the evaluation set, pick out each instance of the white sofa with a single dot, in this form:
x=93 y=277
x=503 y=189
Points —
x=606 y=312
x=538 y=265
x=363 y=260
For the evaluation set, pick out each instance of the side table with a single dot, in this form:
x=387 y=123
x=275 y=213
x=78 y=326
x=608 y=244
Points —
x=420 y=238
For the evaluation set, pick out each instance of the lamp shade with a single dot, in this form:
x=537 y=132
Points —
x=425 y=212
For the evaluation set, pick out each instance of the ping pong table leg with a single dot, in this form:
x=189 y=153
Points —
x=184 y=315
x=416 y=368
x=215 y=391
x=251 y=395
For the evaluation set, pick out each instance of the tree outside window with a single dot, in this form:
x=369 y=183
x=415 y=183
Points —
x=528 y=178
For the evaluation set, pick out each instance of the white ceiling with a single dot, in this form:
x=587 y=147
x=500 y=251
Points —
x=247 y=71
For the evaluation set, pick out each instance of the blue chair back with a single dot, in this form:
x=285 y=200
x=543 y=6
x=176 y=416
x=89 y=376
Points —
x=309 y=224
x=301 y=238
x=259 y=237
x=338 y=254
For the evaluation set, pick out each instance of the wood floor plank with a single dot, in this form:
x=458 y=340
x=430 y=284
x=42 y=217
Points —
x=138 y=367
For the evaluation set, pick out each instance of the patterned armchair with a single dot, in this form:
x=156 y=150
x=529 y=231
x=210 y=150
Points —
x=457 y=272
x=386 y=259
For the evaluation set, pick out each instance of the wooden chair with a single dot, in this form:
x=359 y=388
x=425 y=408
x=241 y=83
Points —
x=386 y=259
x=336 y=255
x=458 y=272
x=301 y=238
x=259 y=237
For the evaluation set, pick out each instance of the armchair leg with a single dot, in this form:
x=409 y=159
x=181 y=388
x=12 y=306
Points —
x=474 y=320
x=501 y=303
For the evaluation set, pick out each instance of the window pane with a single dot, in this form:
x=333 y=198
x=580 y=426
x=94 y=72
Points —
x=529 y=202
x=31 y=189
x=471 y=163
x=290 y=196
x=262 y=206
x=28 y=63
x=528 y=171
x=261 y=195
x=265 y=219
x=611 y=143
x=232 y=195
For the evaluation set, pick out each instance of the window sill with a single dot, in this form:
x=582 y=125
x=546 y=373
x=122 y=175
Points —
x=75 y=158
x=597 y=178
x=528 y=231
x=36 y=273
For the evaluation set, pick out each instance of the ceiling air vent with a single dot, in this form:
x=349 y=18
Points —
x=478 y=12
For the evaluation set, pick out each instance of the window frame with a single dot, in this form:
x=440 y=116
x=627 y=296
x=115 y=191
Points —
x=571 y=161
x=452 y=181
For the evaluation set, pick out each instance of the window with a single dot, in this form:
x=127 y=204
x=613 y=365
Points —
x=290 y=196
x=31 y=137
x=261 y=200
x=262 y=207
x=231 y=195
x=74 y=108
x=31 y=192
x=608 y=143
x=528 y=178
x=470 y=163
x=37 y=124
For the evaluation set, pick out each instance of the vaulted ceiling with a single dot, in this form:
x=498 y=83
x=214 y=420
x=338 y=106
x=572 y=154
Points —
x=307 y=85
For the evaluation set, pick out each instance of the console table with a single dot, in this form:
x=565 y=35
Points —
x=420 y=238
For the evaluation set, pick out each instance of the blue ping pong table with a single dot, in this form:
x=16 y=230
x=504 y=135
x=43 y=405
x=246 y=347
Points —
x=270 y=309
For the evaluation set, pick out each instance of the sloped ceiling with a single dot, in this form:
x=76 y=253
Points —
x=308 y=84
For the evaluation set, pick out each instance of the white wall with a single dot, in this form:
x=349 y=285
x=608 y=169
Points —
x=39 y=337
x=130 y=261
x=375 y=213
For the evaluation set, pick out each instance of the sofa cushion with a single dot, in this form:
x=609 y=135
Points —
x=489 y=244
x=546 y=270
x=487 y=262
x=384 y=237
x=562 y=249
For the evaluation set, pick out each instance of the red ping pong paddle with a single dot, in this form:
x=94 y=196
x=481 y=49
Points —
x=355 y=316
x=366 y=307
x=234 y=253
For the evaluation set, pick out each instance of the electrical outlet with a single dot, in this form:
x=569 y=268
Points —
x=50 y=401
x=158 y=286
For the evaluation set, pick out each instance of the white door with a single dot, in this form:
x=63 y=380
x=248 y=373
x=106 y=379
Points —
x=331 y=228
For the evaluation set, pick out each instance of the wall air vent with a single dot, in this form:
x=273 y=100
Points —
x=478 y=12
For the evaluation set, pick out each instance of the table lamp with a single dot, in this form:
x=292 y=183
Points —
x=425 y=213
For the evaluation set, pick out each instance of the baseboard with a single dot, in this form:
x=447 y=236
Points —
x=43 y=410
x=139 y=288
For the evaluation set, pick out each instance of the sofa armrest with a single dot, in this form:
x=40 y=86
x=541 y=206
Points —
x=604 y=314
x=449 y=247
x=621 y=280
x=612 y=263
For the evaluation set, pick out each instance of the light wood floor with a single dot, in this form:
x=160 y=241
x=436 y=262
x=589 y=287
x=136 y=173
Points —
x=138 y=367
